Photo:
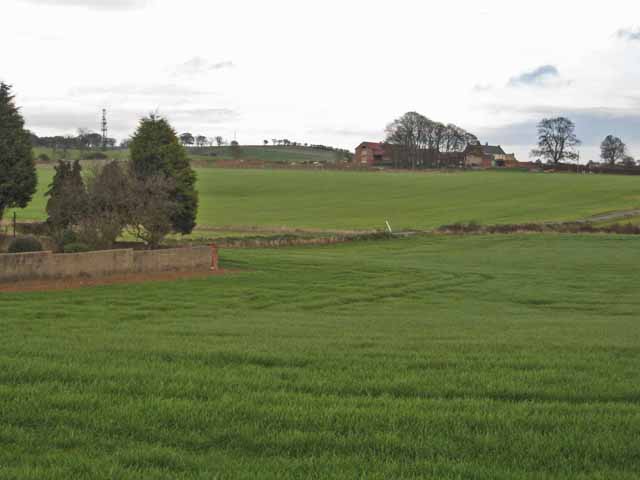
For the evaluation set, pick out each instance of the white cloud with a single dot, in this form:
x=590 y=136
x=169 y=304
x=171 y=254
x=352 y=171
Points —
x=199 y=66
x=631 y=34
x=128 y=90
x=540 y=76
x=94 y=4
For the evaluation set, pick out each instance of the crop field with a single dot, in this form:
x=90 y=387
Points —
x=268 y=154
x=210 y=154
x=353 y=200
x=505 y=357
x=76 y=154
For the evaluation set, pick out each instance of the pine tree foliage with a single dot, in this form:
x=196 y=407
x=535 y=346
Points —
x=18 y=178
x=156 y=150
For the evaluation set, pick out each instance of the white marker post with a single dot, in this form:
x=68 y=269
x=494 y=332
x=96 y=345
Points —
x=389 y=227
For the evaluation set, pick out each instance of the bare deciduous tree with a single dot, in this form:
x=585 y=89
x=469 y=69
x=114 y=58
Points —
x=409 y=135
x=187 y=139
x=201 y=140
x=612 y=150
x=236 y=151
x=557 y=140
x=417 y=140
x=629 y=162
x=456 y=139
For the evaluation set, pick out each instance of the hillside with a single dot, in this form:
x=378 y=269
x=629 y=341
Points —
x=211 y=154
x=355 y=200
x=267 y=154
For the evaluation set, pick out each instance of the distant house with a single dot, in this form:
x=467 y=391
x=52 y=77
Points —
x=373 y=154
x=488 y=156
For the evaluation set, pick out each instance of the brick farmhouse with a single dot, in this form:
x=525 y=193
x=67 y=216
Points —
x=376 y=154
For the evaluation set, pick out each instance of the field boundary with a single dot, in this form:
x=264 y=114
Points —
x=567 y=227
x=292 y=240
x=15 y=267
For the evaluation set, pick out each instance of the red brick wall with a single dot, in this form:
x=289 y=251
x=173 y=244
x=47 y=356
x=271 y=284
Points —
x=364 y=155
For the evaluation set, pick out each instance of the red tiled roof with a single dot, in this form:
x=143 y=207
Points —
x=378 y=148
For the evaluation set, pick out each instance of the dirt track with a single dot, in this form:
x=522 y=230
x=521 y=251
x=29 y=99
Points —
x=621 y=215
x=73 y=283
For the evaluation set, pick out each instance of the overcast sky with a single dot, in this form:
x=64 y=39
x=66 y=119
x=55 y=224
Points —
x=330 y=72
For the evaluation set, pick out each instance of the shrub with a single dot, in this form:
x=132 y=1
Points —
x=151 y=209
x=461 y=228
x=25 y=245
x=68 y=237
x=109 y=205
x=43 y=157
x=96 y=156
x=40 y=229
x=77 y=248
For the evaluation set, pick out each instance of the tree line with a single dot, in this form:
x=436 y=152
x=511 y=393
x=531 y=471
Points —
x=189 y=140
x=151 y=195
x=558 y=143
x=84 y=139
x=417 y=141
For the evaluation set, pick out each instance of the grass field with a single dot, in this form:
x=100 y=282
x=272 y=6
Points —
x=269 y=154
x=505 y=357
x=353 y=200
x=75 y=154
x=249 y=152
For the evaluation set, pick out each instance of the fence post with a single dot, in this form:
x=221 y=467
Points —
x=15 y=221
x=214 y=257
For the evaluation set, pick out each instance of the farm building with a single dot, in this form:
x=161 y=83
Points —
x=375 y=154
x=488 y=156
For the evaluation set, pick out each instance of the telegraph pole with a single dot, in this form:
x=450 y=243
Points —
x=105 y=130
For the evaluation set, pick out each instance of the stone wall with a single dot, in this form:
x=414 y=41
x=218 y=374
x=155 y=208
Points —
x=185 y=259
x=47 y=265
x=24 y=266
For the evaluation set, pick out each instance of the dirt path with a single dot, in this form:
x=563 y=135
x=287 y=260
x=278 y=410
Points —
x=606 y=217
x=73 y=283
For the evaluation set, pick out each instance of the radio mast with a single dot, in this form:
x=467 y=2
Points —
x=105 y=130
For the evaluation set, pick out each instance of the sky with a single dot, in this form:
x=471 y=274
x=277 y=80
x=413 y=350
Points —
x=327 y=72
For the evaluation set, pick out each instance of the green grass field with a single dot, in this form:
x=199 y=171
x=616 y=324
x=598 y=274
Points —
x=268 y=154
x=354 y=200
x=249 y=152
x=75 y=154
x=504 y=357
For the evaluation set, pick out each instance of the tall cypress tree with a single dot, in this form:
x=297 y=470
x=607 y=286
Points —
x=18 y=180
x=156 y=149
x=68 y=202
